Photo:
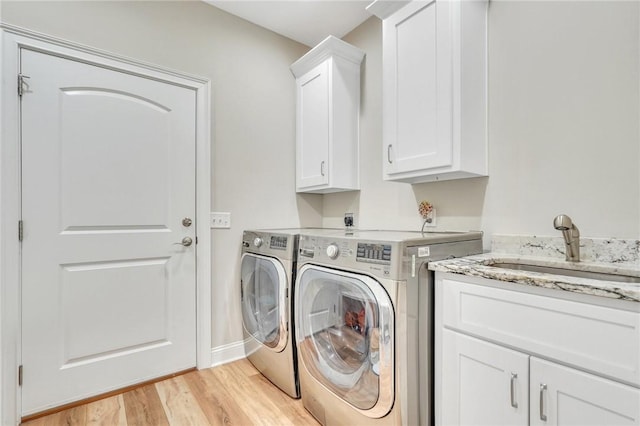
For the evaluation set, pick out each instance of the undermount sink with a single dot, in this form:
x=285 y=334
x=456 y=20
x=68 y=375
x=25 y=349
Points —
x=603 y=276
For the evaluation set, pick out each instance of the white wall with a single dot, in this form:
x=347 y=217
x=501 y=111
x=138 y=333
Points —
x=564 y=132
x=253 y=111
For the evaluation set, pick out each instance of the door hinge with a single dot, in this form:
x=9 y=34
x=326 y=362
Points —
x=22 y=83
x=20 y=230
x=196 y=240
x=20 y=369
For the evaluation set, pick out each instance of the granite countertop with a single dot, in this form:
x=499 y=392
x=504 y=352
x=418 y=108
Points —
x=546 y=254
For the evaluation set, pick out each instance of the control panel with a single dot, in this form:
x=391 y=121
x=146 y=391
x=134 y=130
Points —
x=370 y=257
x=278 y=242
x=374 y=253
x=377 y=253
x=396 y=255
x=280 y=245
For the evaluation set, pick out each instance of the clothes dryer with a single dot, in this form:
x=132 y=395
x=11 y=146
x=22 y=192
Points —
x=267 y=274
x=363 y=303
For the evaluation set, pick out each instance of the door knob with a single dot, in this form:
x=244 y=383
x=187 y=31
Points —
x=187 y=221
x=186 y=241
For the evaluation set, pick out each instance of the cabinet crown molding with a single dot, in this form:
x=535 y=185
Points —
x=385 y=8
x=329 y=47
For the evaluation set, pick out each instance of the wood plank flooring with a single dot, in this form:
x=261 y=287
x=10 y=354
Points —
x=231 y=394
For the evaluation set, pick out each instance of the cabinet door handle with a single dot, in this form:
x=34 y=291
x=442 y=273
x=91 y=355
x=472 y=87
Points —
x=514 y=404
x=543 y=390
x=389 y=154
x=322 y=168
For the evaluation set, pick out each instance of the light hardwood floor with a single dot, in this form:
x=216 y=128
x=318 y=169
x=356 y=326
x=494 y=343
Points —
x=231 y=394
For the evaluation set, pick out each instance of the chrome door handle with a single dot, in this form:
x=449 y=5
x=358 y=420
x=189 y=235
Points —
x=514 y=404
x=543 y=390
x=389 y=154
x=186 y=241
x=322 y=168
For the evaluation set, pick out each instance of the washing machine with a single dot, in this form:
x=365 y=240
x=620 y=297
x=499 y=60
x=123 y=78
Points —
x=364 y=323
x=267 y=273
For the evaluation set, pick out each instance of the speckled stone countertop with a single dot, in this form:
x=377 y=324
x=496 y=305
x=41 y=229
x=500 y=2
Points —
x=620 y=257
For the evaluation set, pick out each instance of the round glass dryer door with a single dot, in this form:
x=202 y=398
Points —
x=345 y=335
x=263 y=298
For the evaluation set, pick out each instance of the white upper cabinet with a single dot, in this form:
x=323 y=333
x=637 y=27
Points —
x=434 y=89
x=327 y=113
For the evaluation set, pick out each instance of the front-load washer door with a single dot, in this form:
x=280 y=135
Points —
x=345 y=336
x=263 y=297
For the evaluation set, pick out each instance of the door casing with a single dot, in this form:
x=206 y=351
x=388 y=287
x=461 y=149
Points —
x=12 y=39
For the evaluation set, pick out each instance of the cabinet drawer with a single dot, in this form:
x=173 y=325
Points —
x=600 y=339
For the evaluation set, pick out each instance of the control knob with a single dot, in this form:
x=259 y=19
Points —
x=257 y=241
x=333 y=251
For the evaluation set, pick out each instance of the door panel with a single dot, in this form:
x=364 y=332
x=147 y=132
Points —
x=91 y=198
x=562 y=396
x=108 y=174
x=314 y=127
x=484 y=384
x=89 y=292
x=418 y=88
x=264 y=294
x=345 y=335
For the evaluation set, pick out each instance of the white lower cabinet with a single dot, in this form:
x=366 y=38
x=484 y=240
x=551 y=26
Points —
x=502 y=358
x=484 y=384
x=565 y=396
x=488 y=384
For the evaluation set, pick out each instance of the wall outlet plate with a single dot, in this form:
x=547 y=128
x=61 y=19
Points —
x=220 y=220
x=431 y=216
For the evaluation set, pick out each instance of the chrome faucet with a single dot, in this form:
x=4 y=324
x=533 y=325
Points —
x=571 y=236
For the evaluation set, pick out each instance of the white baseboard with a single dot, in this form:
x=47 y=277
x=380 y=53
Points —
x=227 y=353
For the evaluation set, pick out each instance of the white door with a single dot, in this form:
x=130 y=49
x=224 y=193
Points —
x=313 y=127
x=108 y=174
x=562 y=396
x=483 y=383
x=417 y=88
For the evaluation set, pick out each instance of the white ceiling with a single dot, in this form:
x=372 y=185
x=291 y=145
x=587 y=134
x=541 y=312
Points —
x=306 y=21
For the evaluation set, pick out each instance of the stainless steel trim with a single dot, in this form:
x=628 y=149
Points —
x=386 y=321
x=281 y=342
x=543 y=390
x=514 y=404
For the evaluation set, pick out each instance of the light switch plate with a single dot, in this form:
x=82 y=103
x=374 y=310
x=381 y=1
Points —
x=220 y=220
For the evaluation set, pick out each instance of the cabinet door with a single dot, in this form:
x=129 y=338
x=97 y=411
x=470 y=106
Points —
x=482 y=383
x=417 y=88
x=564 y=396
x=313 y=127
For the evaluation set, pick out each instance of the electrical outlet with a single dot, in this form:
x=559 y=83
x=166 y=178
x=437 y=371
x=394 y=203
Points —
x=220 y=220
x=431 y=216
